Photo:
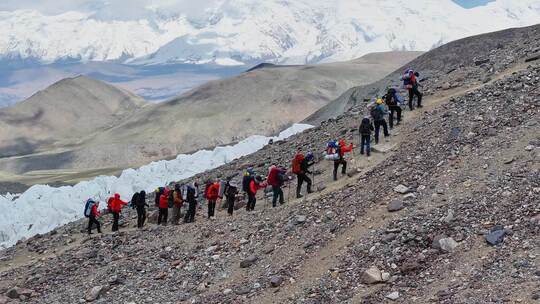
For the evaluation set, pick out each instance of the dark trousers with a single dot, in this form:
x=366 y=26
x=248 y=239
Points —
x=230 y=204
x=343 y=168
x=414 y=92
x=277 y=194
x=302 y=177
x=211 y=208
x=397 y=110
x=378 y=125
x=116 y=218
x=190 y=215
x=141 y=217
x=92 y=220
x=162 y=217
x=252 y=200
x=365 y=141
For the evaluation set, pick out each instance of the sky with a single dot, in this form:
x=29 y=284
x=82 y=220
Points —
x=137 y=7
x=473 y=3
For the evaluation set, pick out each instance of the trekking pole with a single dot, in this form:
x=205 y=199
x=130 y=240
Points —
x=289 y=192
x=265 y=198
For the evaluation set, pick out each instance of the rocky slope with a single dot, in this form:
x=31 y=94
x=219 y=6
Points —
x=262 y=101
x=446 y=211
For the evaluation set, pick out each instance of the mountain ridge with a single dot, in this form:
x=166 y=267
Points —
x=299 y=31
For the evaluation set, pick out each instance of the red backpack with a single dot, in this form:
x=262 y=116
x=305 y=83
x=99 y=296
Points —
x=296 y=163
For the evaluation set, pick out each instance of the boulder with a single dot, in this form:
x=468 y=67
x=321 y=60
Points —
x=276 y=281
x=402 y=189
x=300 y=219
x=447 y=244
x=395 y=205
x=94 y=293
x=372 y=276
x=495 y=237
x=248 y=262
x=393 y=296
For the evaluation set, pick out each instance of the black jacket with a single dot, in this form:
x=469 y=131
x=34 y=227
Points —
x=366 y=127
x=140 y=203
x=305 y=164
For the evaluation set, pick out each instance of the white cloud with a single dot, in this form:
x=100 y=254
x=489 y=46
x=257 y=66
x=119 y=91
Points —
x=117 y=9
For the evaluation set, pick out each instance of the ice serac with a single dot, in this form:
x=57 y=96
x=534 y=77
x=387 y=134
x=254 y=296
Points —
x=244 y=31
x=43 y=208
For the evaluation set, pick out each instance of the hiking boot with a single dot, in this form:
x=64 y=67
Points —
x=420 y=106
x=299 y=196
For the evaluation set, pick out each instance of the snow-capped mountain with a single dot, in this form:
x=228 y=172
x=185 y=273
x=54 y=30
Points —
x=234 y=32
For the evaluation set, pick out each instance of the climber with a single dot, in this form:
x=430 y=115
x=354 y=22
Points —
x=276 y=177
x=377 y=113
x=212 y=195
x=177 y=205
x=410 y=81
x=92 y=212
x=231 y=190
x=366 y=127
x=255 y=184
x=163 y=207
x=393 y=101
x=301 y=166
x=115 y=205
x=141 y=205
x=190 y=194
x=341 y=150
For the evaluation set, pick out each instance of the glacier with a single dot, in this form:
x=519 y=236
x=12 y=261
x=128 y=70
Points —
x=42 y=208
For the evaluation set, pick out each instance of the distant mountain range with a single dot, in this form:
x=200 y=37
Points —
x=237 y=32
x=80 y=127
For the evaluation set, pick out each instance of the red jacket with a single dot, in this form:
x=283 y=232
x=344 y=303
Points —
x=94 y=211
x=213 y=192
x=253 y=187
x=164 y=199
x=344 y=149
x=117 y=203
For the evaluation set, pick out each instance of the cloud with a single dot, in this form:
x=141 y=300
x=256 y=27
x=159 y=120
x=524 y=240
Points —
x=117 y=9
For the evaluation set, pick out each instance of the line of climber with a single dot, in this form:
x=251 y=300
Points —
x=186 y=196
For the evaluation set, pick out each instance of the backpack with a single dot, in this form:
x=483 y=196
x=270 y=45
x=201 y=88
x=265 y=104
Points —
x=88 y=207
x=246 y=181
x=297 y=163
x=184 y=192
x=133 y=202
x=377 y=114
x=170 y=199
x=390 y=97
x=158 y=192
x=408 y=78
x=109 y=203
x=365 y=127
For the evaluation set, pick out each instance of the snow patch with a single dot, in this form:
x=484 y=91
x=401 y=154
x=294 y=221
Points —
x=42 y=208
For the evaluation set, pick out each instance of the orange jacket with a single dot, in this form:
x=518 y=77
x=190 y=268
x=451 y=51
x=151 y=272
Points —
x=117 y=203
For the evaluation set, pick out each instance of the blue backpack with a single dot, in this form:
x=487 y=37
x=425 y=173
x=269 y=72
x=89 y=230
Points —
x=408 y=77
x=88 y=207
